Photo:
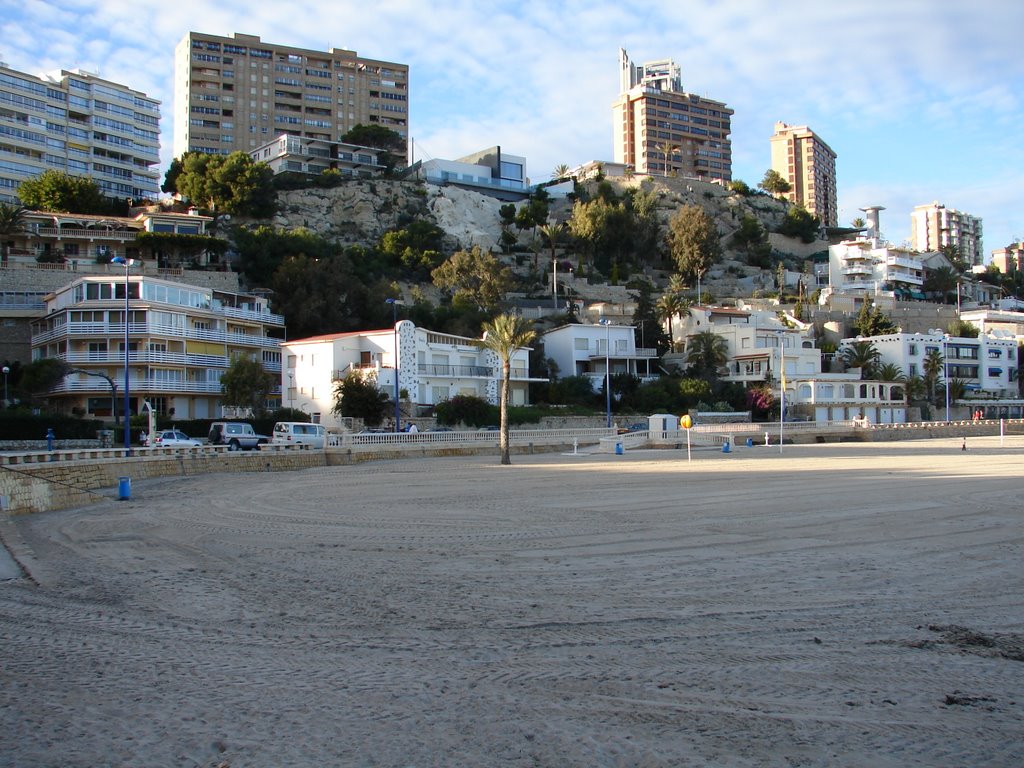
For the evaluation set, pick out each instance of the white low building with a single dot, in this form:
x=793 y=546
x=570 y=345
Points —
x=987 y=364
x=431 y=367
x=580 y=349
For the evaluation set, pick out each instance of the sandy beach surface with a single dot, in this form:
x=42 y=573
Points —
x=822 y=605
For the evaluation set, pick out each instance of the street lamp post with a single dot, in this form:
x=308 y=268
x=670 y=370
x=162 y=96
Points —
x=945 y=370
x=128 y=264
x=394 y=316
x=782 y=384
x=6 y=371
x=607 y=369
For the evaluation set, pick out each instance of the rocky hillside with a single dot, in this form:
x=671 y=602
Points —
x=361 y=211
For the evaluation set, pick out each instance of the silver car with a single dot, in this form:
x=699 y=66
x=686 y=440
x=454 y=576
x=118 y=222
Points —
x=173 y=437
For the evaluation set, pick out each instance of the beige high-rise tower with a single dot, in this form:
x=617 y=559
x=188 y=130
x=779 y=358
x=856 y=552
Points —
x=661 y=129
x=238 y=93
x=809 y=165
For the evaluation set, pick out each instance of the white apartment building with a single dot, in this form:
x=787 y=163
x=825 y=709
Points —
x=181 y=339
x=580 y=349
x=758 y=342
x=809 y=165
x=237 y=93
x=934 y=226
x=987 y=364
x=79 y=123
x=488 y=170
x=298 y=154
x=431 y=368
x=1010 y=259
x=843 y=397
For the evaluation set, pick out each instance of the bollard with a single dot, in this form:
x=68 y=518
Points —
x=750 y=442
x=618 y=448
x=725 y=447
x=124 y=488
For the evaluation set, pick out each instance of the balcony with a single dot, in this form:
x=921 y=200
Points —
x=456 y=371
x=116 y=358
x=67 y=233
x=116 y=330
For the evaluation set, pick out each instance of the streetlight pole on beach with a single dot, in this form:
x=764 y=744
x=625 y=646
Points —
x=128 y=264
x=607 y=369
x=394 y=317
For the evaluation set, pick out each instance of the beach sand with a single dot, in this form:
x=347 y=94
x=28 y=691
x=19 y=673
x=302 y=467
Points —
x=823 y=605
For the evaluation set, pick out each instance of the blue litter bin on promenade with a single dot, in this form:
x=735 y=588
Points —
x=618 y=448
x=124 y=488
x=750 y=442
x=726 y=448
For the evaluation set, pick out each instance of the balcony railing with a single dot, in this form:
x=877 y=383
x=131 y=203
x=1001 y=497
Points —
x=121 y=235
x=456 y=371
x=139 y=386
x=157 y=358
x=153 y=330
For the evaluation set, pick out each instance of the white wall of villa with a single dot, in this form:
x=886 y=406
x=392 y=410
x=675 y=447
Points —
x=590 y=350
x=432 y=367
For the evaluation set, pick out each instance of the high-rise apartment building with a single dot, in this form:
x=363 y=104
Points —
x=238 y=93
x=661 y=129
x=809 y=165
x=934 y=226
x=79 y=123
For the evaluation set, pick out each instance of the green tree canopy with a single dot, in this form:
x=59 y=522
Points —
x=262 y=250
x=378 y=137
x=415 y=248
x=474 y=278
x=246 y=383
x=232 y=184
x=798 y=222
x=358 y=397
x=12 y=222
x=319 y=295
x=774 y=184
x=963 y=329
x=60 y=192
x=645 y=317
x=872 y=321
x=693 y=241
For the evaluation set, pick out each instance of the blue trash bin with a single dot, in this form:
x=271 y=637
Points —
x=750 y=442
x=725 y=447
x=124 y=488
x=618 y=448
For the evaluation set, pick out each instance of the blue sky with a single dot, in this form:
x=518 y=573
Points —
x=922 y=100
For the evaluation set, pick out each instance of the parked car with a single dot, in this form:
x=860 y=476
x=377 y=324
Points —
x=171 y=437
x=639 y=426
x=299 y=433
x=236 y=435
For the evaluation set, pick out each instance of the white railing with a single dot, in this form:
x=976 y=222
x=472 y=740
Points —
x=517 y=437
x=153 y=329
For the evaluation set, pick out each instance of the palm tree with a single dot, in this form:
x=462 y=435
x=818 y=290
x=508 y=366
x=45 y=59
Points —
x=707 y=353
x=551 y=231
x=914 y=388
x=668 y=148
x=934 y=367
x=863 y=355
x=888 y=372
x=677 y=284
x=12 y=222
x=560 y=172
x=668 y=307
x=503 y=336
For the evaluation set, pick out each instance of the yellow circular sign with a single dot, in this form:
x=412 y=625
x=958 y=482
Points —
x=686 y=422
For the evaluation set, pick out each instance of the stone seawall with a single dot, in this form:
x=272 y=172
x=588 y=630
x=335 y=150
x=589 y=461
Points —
x=31 y=488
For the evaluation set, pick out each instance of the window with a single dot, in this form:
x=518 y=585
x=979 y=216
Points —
x=580 y=344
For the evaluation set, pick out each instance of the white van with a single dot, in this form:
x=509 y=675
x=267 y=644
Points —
x=299 y=433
